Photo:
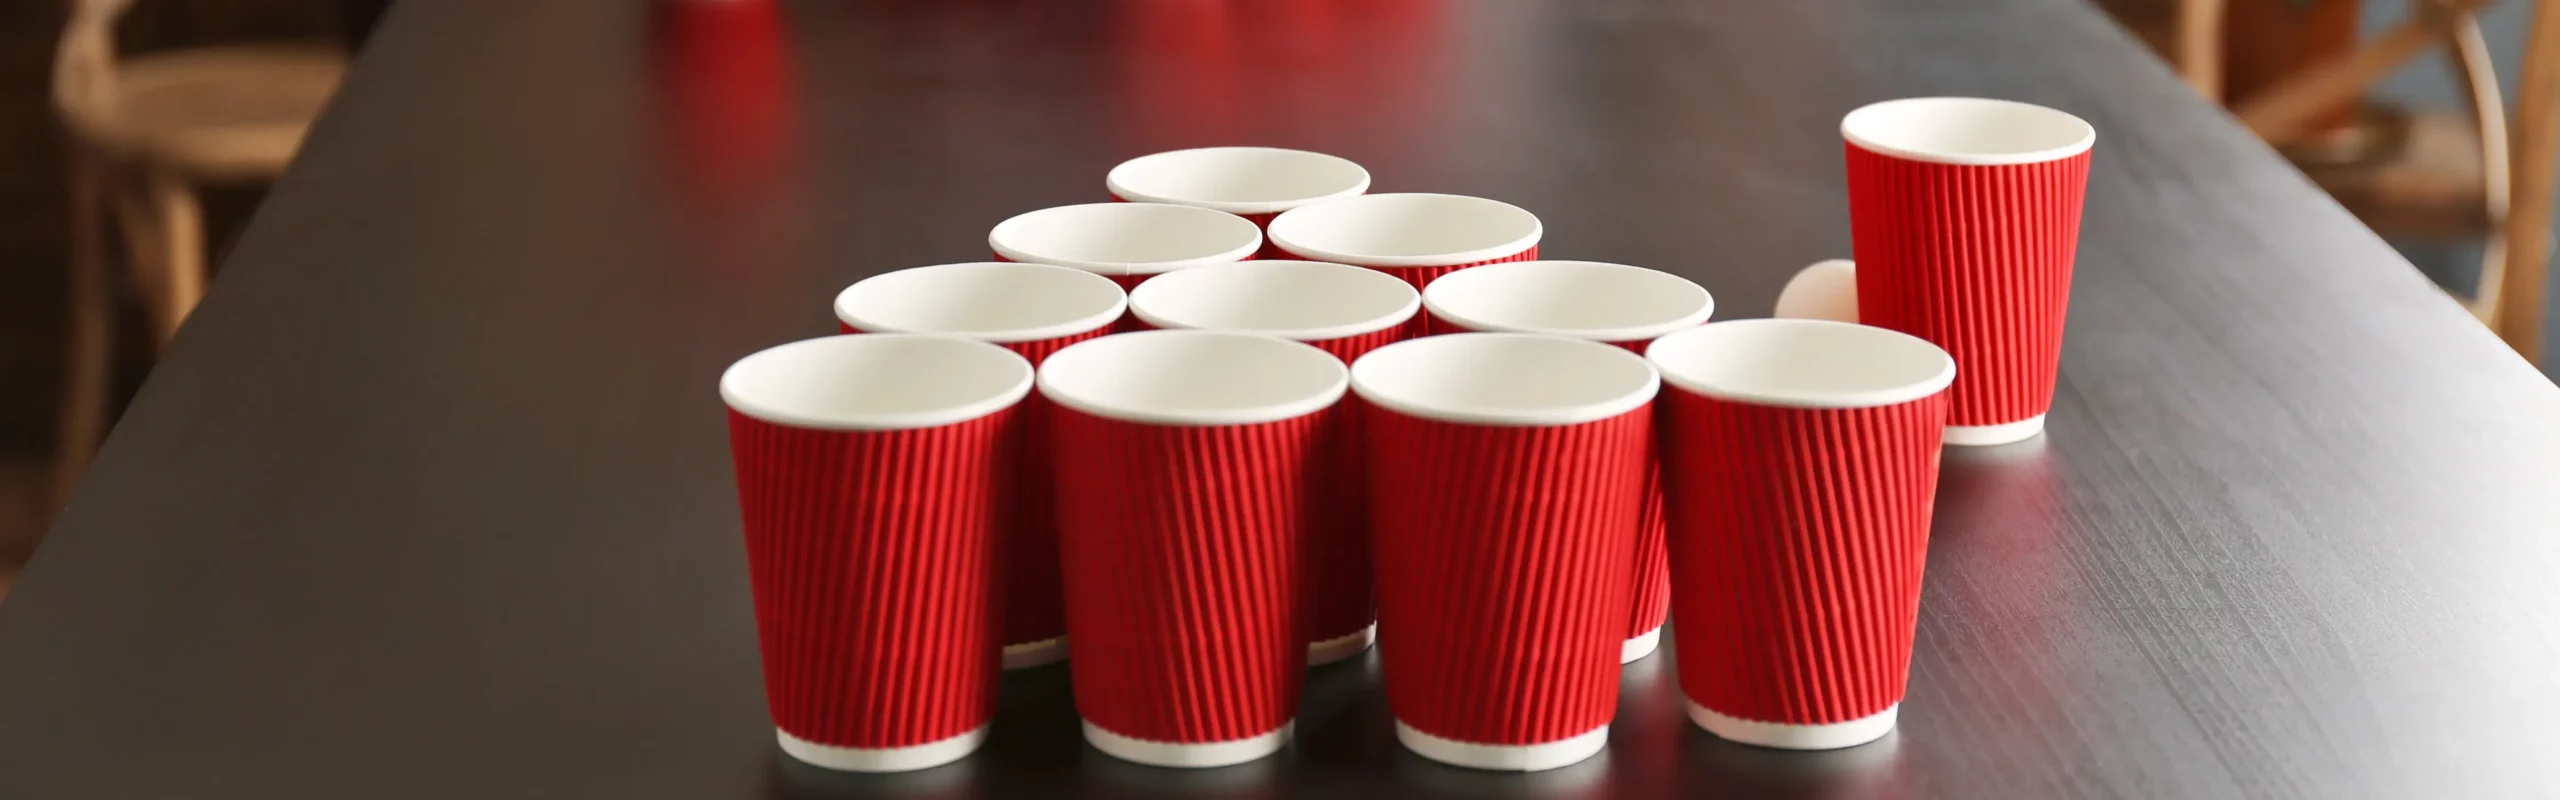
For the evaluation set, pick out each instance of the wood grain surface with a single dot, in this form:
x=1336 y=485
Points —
x=431 y=498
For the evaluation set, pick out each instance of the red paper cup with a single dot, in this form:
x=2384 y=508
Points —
x=1190 y=468
x=1343 y=310
x=1034 y=310
x=1800 y=458
x=872 y=473
x=1126 y=242
x=1256 y=183
x=1612 y=303
x=1506 y=478
x=1965 y=214
x=1416 y=237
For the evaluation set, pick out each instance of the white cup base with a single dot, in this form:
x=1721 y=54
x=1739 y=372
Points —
x=1034 y=654
x=1341 y=647
x=1504 y=757
x=882 y=759
x=1987 y=435
x=1639 y=646
x=1188 y=755
x=1830 y=736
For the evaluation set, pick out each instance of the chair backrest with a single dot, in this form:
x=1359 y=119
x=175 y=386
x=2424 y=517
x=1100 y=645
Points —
x=84 y=67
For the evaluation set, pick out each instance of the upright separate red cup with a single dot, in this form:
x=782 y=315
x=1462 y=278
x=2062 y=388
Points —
x=1965 y=214
x=1343 y=310
x=873 y=473
x=1800 y=458
x=1506 y=477
x=1190 y=467
x=1416 y=237
x=1126 y=242
x=1034 y=310
x=1256 y=183
x=1611 y=303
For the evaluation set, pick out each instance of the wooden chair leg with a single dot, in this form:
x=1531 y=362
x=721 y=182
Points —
x=2199 y=46
x=2479 y=76
x=88 y=360
x=2534 y=156
x=183 y=251
x=2279 y=112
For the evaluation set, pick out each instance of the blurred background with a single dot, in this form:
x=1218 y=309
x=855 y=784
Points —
x=136 y=137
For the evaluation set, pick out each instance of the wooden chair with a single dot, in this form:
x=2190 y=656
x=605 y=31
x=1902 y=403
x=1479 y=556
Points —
x=2516 y=181
x=145 y=132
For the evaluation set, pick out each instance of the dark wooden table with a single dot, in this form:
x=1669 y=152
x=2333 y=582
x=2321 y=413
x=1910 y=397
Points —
x=432 y=499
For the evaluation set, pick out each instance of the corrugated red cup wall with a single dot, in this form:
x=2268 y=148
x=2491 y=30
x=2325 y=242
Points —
x=1977 y=260
x=1652 y=590
x=1182 y=550
x=1797 y=541
x=1034 y=599
x=1337 y=569
x=1505 y=558
x=874 y=558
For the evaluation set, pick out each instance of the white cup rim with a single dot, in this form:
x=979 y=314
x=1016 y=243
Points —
x=1058 y=236
x=876 y=382
x=1383 y=301
x=1069 y=301
x=1431 y=230
x=1146 y=178
x=1802 y=363
x=1193 y=378
x=1969 y=131
x=1649 y=304
x=1550 y=380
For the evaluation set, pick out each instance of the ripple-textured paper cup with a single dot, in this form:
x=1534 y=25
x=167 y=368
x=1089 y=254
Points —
x=1189 y=479
x=1126 y=242
x=1612 y=303
x=1256 y=183
x=1415 y=237
x=1800 y=459
x=1965 y=215
x=1506 y=478
x=1034 y=310
x=1344 y=310
x=873 y=473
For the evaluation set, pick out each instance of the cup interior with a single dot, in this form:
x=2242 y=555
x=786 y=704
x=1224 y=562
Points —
x=1967 y=130
x=1238 y=180
x=876 y=382
x=1179 y=377
x=1580 y=299
x=1126 y=238
x=1505 y=379
x=990 y=301
x=1407 y=230
x=1302 y=300
x=1803 y=363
